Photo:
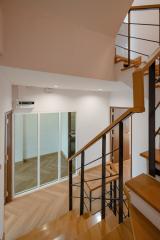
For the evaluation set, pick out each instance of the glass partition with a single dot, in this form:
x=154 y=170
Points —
x=42 y=144
x=49 y=147
x=26 y=151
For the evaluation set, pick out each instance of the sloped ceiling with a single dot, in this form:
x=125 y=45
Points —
x=73 y=37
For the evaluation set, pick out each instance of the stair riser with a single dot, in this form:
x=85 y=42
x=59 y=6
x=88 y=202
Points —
x=147 y=210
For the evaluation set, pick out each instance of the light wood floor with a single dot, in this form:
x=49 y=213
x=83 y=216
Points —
x=33 y=210
x=26 y=171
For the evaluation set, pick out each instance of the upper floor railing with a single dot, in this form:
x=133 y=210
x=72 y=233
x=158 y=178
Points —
x=139 y=34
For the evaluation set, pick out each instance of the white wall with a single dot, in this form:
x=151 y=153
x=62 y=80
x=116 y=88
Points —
x=92 y=111
x=5 y=100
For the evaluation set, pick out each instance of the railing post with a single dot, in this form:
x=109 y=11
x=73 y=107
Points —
x=120 y=172
x=129 y=39
x=152 y=119
x=115 y=196
x=103 y=200
x=70 y=186
x=82 y=184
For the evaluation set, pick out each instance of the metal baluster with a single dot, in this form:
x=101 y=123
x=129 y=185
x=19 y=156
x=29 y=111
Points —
x=82 y=184
x=129 y=39
x=120 y=172
x=70 y=186
x=103 y=203
x=115 y=196
x=152 y=119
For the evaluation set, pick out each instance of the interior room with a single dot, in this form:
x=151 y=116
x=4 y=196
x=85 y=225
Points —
x=79 y=120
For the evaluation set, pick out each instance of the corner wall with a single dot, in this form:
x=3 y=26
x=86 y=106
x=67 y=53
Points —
x=5 y=105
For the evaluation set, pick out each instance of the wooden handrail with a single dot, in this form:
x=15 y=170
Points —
x=145 y=7
x=138 y=100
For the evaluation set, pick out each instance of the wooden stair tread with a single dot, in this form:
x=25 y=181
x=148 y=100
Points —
x=98 y=231
x=147 y=188
x=69 y=226
x=111 y=174
x=93 y=185
x=146 y=155
x=142 y=227
x=121 y=232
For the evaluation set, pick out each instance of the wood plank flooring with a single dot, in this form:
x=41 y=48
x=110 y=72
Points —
x=26 y=171
x=35 y=209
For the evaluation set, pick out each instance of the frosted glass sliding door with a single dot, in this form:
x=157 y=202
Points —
x=49 y=147
x=26 y=151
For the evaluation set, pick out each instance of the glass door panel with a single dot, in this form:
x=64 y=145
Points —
x=26 y=151
x=49 y=147
x=68 y=140
x=64 y=144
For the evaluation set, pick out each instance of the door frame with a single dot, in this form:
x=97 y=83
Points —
x=111 y=142
x=8 y=171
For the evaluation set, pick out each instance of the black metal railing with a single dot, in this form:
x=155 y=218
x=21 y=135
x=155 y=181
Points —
x=112 y=198
x=130 y=36
x=154 y=71
x=107 y=198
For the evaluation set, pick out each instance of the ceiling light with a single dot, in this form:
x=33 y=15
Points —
x=56 y=86
x=100 y=90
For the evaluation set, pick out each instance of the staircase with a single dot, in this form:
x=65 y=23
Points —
x=104 y=183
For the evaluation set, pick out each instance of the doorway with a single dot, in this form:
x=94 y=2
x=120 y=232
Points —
x=116 y=112
x=8 y=158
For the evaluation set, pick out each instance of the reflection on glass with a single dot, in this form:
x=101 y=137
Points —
x=26 y=147
x=68 y=142
x=49 y=147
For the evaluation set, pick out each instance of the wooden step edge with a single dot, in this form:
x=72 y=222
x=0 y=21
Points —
x=142 y=227
x=134 y=63
x=146 y=155
x=147 y=188
x=100 y=229
x=121 y=232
